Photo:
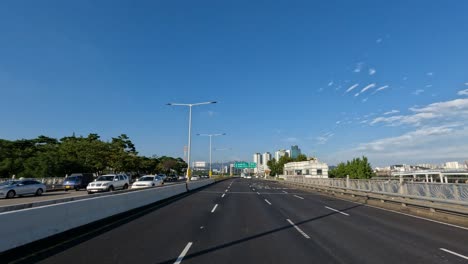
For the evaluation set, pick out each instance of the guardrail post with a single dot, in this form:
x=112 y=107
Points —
x=456 y=192
x=347 y=181
x=402 y=186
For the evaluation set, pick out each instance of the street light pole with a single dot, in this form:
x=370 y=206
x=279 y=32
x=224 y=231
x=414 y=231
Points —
x=190 y=131
x=210 y=173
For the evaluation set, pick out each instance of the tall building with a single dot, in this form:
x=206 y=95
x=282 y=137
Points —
x=257 y=158
x=453 y=165
x=295 y=151
x=265 y=158
x=280 y=153
x=288 y=152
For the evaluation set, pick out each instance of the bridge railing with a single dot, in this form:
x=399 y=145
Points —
x=424 y=190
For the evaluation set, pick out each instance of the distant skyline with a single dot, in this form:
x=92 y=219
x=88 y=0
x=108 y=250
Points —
x=341 y=79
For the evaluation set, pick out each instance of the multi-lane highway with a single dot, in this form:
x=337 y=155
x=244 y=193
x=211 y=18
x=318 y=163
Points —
x=253 y=221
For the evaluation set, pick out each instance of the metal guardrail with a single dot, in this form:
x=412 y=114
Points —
x=440 y=192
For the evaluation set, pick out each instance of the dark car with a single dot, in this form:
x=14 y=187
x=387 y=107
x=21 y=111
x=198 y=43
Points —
x=77 y=181
x=171 y=178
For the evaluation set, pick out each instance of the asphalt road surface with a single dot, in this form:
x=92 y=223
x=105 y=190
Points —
x=253 y=221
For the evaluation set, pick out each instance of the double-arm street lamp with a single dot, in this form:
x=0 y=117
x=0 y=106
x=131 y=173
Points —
x=211 y=136
x=190 y=131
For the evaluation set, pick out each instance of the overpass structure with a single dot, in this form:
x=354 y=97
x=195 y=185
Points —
x=442 y=176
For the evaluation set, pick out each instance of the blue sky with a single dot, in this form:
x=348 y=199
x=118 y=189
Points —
x=279 y=70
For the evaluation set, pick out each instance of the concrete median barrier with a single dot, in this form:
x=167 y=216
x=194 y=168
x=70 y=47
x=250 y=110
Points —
x=193 y=185
x=24 y=226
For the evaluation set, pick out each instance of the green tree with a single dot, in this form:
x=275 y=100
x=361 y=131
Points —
x=301 y=157
x=358 y=168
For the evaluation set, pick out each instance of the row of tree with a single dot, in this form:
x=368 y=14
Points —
x=277 y=167
x=358 y=168
x=50 y=157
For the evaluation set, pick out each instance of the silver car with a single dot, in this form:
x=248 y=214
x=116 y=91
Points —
x=14 y=188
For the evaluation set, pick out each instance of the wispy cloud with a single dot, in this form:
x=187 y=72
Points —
x=352 y=87
x=466 y=83
x=365 y=100
x=379 y=40
x=291 y=139
x=370 y=86
x=372 y=71
x=429 y=86
x=320 y=90
x=405 y=139
x=338 y=122
x=463 y=92
x=356 y=94
x=358 y=67
x=447 y=111
x=363 y=122
x=391 y=112
x=430 y=74
x=418 y=92
x=381 y=89
x=330 y=83
x=324 y=138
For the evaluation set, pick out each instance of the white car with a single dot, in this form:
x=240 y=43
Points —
x=108 y=183
x=10 y=189
x=148 y=181
x=194 y=178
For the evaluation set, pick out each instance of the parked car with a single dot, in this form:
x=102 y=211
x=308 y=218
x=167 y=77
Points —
x=77 y=181
x=182 y=178
x=171 y=178
x=163 y=176
x=108 y=183
x=10 y=189
x=148 y=181
x=194 y=178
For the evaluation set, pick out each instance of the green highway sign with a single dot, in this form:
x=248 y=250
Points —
x=245 y=165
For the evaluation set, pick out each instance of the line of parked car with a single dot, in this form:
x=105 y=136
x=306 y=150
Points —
x=78 y=181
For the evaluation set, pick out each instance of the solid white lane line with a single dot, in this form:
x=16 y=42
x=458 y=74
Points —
x=268 y=202
x=285 y=191
x=258 y=193
x=214 y=208
x=338 y=211
x=222 y=196
x=184 y=252
x=396 y=212
x=298 y=229
x=454 y=253
x=299 y=197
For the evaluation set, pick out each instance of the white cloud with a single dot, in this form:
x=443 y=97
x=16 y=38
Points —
x=324 y=138
x=380 y=89
x=291 y=139
x=466 y=83
x=379 y=40
x=363 y=122
x=352 y=87
x=431 y=143
x=429 y=86
x=372 y=71
x=370 y=86
x=356 y=94
x=358 y=67
x=430 y=74
x=337 y=122
x=463 y=92
x=447 y=111
x=365 y=100
x=418 y=92
x=330 y=83
x=407 y=139
x=391 y=112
